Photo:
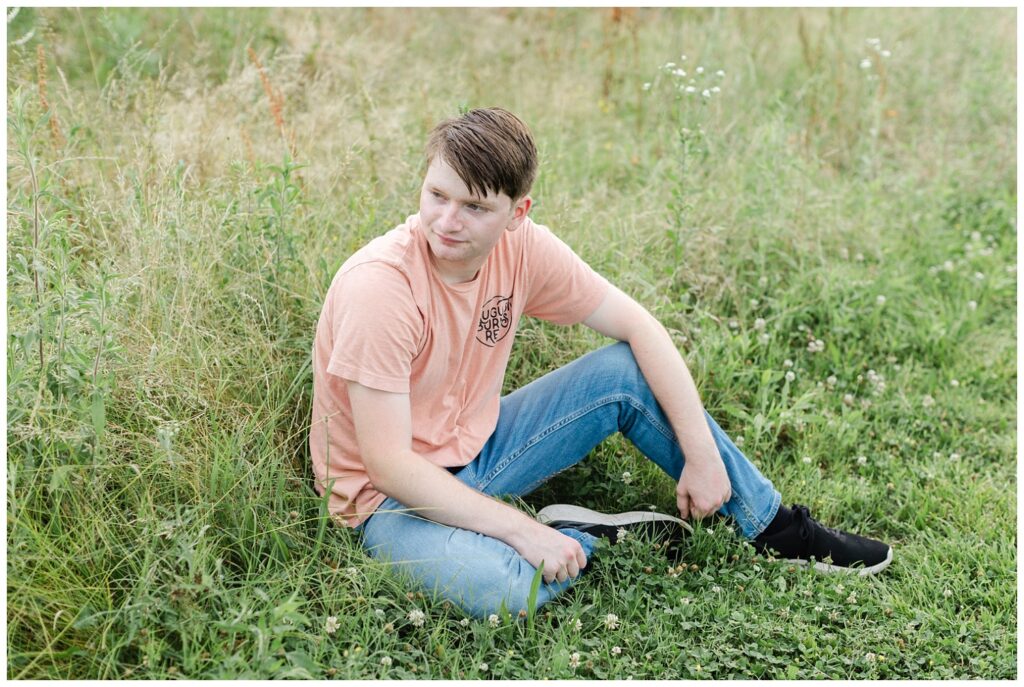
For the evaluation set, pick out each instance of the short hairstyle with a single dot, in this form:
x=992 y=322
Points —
x=489 y=148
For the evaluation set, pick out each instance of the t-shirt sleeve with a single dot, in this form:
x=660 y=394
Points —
x=376 y=327
x=563 y=288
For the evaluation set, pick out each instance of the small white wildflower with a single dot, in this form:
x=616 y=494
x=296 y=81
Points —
x=807 y=460
x=627 y=477
x=831 y=380
x=873 y=41
x=787 y=363
x=739 y=441
x=691 y=89
x=880 y=300
x=616 y=650
x=947 y=593
x=679 y=72
x=734 y=324
x=716 y=589
x=840 y=588
x=760 y=324
x=379 y=612
x=621 y=534
x=574 y=660
x=954 y=383
x=670 y=65
x=818 y=609
x=862 y=460
x=886 y=53
x=416 y=617
x=790 y=376
x=816 y=346
x=948 y=265
x=686 y=601
x=386 y=661
x=710 y=531
x=706 y=93
x=972 y=305
x=852 y=598
x=765 y=337
x=351 y=572
x=859 y=257
x=332 y=625
x=464 y=622
x=577 y=625
x=611 y=621
x=716 y=89
x=483 y=667
x=682 y=58
x=700 y=70
x=870 y=657
x=927 y=401
x=865 y=63
x=720 y=73
x=647 y=85
x=493 y=619
x=762 y=280
x=954 y=456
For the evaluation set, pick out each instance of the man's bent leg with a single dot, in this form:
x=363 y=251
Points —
x=552 y=423
x=476 y=572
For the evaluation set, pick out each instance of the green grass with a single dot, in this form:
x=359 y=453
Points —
x=165 y=273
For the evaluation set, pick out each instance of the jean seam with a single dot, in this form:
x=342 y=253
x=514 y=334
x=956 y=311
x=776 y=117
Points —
x=572 y=417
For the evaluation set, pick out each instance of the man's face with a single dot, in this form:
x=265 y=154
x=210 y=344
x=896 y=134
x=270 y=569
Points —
x=463 y=228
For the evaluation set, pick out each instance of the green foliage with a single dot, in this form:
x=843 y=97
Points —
x=165 y=275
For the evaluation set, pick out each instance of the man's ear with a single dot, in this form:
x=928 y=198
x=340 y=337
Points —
x=519 y=212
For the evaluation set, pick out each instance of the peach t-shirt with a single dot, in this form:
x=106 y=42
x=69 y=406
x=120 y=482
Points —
x=390 y=323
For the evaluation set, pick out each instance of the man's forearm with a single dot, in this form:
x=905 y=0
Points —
x=434 y=493
x=673 y=386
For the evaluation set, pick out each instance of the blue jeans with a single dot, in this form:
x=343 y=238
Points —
x=543 y=428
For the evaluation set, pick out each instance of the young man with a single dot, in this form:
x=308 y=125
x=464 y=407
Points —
x=411 y=437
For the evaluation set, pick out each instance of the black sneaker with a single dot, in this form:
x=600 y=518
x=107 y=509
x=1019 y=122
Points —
x=561 y=515
x=805 y=541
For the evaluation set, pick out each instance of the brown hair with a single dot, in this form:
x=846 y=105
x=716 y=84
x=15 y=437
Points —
x=489 y=148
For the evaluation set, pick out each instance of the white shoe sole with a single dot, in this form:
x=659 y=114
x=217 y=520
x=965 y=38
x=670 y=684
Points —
x=839 y=569
x=561 y=512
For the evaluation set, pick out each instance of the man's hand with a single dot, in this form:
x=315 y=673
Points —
x=561 y=556
x=703 y=488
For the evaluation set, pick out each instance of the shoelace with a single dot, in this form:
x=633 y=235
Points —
x=808 y=525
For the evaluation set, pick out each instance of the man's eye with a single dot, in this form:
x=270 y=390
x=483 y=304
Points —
x=436 y=194
x=476 y=208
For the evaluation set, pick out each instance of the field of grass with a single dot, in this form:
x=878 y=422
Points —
x=183 y=184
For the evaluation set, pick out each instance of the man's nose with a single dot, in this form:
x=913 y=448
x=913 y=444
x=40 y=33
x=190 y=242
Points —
x=450 y=217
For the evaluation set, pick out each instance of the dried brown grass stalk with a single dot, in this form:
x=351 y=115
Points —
x=58 y=137
x=248 y=147
x=276 y=103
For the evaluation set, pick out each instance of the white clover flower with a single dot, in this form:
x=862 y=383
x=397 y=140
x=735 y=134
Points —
x=691 y=89
x=493 y=619
x=700 y=70
x=734 y=324
x=865 y=63
x=816 y=346
x=351 y=572
x=710 y=531
x=880 y=300
x=870 y=657
x=416 y=617
x=739 y=441
x=647 y=85
x=948 y=265
x=859 y=257
x=706 y=93
x=386 y=661
x=764 y=338
x=762 y=280
x=787 y=363
x=790 y=376
x=669 y=65
x=616 y=650
x=972 y=305
x=686 y=601
x=848 y=399
x=862 y=460
x=679 y=72
x=947 y=593
x=621 y=534
x=379 y=612
x=483 y=667
x=716 y=589
x=954 y=383
x=682 y=58
x=954 y=456
x=852 y=598
x=464 y=622
x=807 y=460
x=759 y=324
x=873 y=41
x=716 y=89
x=627 y=477
x=577 y=625
x=611 y=621
x=927 y=401
x=332 y=625
x=831 y=380
x=979 y=276
x=720 y=73
x=574 y=660
x=886 y=53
